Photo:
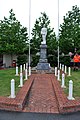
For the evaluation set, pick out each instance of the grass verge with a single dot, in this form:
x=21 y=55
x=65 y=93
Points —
x=75 y=77
x=5 y=81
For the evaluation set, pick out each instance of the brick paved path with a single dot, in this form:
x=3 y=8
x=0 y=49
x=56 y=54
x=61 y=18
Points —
x=42 y=96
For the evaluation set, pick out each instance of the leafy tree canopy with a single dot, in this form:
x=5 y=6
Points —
x=13 y=35
x=70 y=31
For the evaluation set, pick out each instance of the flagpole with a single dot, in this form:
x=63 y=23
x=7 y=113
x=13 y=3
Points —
x=58 y=34
x=29 y=35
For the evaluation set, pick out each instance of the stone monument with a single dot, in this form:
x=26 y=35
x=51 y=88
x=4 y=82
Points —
x=43 y=65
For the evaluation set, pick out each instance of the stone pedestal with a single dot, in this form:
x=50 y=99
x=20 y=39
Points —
x=43 y=64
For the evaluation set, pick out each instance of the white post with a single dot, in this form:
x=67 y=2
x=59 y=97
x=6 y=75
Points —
x=49 y=65
x=12 y=88
x=29 y=70
x=24 y=66
x=26 y=74
x=69 y=74
x=21 y=80
x=55 y=71
x=20 y=68
x=60 y=66
x=17 y=71
x=70 y=97
x=58 y=75
x=58 y=35
x=65 y=69
x=29 y=37
x=63 y=81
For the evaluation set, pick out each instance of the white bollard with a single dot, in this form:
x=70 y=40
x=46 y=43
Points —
x=55 y=71
x=21 y=80
x=70 y=97
x=17 y=71
x=49 y=65
x=24 y=66
x=26 y=74
x=60 y=66
x=63 y=81
x=20 y=68
x=12 y=88
x=58 y=78
x=29 y=70
x=65 y=69
x=69 y=74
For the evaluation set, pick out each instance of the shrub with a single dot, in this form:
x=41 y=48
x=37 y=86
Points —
x=35 y=60
x=65 y=60
x=21 y=59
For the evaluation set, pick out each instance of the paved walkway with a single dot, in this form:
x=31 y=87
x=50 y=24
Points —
x=42 y=96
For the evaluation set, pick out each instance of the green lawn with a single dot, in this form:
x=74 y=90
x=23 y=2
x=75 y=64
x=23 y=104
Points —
x=5 y=81
x=75 y=77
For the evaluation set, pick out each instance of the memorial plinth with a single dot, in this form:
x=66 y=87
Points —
x=43 y=65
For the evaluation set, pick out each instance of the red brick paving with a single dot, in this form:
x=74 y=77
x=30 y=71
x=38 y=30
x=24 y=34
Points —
x=42 y=96
x=47 y=96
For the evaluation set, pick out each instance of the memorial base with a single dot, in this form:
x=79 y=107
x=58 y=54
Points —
x=43 y=65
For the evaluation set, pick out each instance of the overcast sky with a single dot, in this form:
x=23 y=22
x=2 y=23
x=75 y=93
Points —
x=21 y=10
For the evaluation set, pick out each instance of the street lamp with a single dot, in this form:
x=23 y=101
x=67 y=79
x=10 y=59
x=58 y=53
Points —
x=29 y=35
x=58 y=34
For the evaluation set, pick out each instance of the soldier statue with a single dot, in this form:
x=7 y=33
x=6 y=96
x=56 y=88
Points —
x=44 y=33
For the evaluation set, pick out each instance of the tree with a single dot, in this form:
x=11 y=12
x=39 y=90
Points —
x=13 y=35
x=37 y=38
x=70 y=31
